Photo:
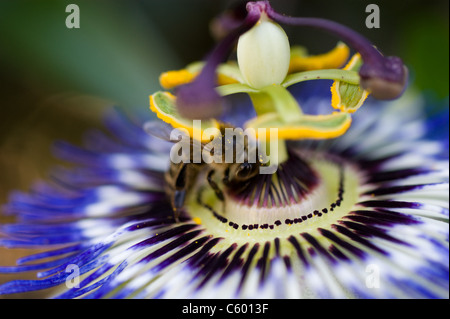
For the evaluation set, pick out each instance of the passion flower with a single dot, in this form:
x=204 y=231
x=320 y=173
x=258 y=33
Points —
x=357 y=207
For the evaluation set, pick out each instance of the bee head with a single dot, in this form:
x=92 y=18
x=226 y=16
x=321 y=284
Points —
x=246 y=170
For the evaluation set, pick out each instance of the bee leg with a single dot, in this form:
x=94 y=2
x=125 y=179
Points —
x=176 y=215
x=214 y=186
x=226 y=176
x=178 y=202
x=179 y=191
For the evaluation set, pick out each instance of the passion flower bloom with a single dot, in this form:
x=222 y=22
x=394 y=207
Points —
x=358 y=205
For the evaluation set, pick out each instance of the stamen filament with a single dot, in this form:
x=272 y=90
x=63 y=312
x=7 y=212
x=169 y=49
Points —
x=351 y=77
x=229 y=89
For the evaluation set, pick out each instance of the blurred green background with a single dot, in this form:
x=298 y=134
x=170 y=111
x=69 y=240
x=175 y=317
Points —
x=55 y=82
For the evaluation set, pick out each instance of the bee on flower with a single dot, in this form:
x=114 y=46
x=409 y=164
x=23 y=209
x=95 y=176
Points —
x=355 y=207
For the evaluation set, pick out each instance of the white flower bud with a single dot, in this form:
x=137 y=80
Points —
x=263 y=54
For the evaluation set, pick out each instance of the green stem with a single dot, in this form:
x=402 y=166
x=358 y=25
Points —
x=279 y=156
x=261 y=103
x=277 y=99
x=284 y=103
x=270 y=99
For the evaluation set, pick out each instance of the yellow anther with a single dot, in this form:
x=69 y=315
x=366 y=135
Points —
x=348 y=97
x=297 y=133
x=164 y=105
x=171 y=79
x=223 y=79
x=309 y=127
x=331 y=60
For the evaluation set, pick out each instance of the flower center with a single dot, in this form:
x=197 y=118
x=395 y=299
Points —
x=301 y=196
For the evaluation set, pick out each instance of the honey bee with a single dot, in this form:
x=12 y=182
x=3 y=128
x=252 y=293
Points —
x=181 y=177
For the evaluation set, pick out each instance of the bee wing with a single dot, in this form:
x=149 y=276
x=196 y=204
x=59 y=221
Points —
x=163 y=131
x=158 y=129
